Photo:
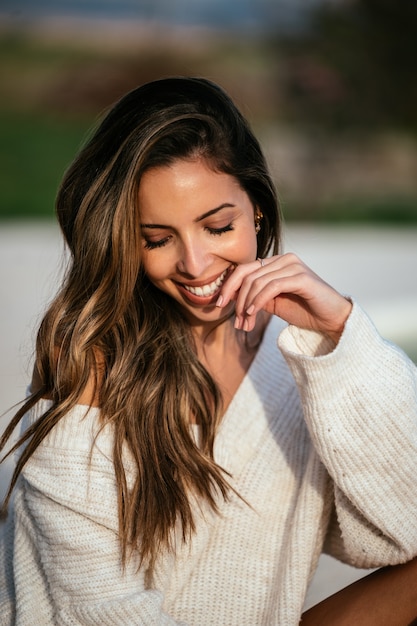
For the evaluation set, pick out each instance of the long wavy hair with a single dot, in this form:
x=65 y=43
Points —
x=108 y=318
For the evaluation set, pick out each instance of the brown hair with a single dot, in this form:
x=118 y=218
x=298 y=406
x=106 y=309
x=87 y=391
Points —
x=106 y=306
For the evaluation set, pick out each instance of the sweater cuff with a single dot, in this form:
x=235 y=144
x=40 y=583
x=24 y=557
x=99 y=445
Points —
x=311 y=344
x=314 y=356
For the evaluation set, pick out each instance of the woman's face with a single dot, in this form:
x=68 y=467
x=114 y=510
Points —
x=197 y=225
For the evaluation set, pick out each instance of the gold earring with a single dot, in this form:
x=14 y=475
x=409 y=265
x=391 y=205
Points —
x=258 y=218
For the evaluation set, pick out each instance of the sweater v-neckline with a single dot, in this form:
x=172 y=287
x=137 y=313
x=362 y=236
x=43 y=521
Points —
x=254 y=404
x=269 y=337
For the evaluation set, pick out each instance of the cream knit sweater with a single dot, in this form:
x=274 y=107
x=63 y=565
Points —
x=341 y=477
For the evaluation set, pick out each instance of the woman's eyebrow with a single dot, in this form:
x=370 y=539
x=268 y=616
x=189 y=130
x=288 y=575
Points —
x=155 y=226
x=226 y=205
x=198 y=219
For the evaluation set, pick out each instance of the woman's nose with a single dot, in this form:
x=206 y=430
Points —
x=192 y=259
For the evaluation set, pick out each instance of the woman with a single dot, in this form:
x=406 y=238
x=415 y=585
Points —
x=177 y=467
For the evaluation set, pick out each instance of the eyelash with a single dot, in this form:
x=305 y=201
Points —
x=151 y=245
x=220 y=231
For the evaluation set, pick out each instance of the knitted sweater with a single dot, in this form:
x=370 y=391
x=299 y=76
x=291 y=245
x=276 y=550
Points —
x=320 y=442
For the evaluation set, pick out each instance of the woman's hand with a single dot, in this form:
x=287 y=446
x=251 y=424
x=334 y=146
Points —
x=285 y=286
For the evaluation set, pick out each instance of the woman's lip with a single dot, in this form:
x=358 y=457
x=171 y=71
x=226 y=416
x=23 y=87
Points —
x=201 y=299
x=207 y=281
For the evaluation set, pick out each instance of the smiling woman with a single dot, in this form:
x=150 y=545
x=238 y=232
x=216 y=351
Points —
x=177 y=464
x=211 y=231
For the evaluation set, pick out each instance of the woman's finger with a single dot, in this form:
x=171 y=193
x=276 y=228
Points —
x=240 y=279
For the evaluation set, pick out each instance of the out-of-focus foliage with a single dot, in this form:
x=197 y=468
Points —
x=334 y=105
x=35 y=151
x=72 y=76
x=356 y=67
x=54 y=89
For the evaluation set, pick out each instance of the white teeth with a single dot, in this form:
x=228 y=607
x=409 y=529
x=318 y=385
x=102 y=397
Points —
x=207 y=290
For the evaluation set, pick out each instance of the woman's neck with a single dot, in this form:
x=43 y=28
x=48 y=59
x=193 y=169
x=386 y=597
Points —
x=227 y=353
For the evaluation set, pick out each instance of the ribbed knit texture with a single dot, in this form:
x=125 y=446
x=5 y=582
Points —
x=323 y=445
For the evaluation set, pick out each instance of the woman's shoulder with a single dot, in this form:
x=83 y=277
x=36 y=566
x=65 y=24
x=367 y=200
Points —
x=78 y=426
x=73 y=465
x=77 y=429
x=89 y=395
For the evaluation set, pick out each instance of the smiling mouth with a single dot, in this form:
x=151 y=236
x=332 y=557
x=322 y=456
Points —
x=206 y=291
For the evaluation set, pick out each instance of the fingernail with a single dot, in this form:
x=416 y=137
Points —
x=237 y=323
x=250 y=309
x=246 y=325
x=219 y=300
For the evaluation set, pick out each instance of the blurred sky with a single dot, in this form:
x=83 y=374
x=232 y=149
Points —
x=257 y=14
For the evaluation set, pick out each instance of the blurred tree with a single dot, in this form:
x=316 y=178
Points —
x=356 y=66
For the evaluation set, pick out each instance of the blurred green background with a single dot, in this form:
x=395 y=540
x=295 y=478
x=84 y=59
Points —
x=333 y=101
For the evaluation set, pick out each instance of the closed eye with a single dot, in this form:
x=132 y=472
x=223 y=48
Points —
x=151 y=245
x=220 y=231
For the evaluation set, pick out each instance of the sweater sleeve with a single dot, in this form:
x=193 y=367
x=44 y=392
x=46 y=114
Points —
x=68 y=511
x=360 y=404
